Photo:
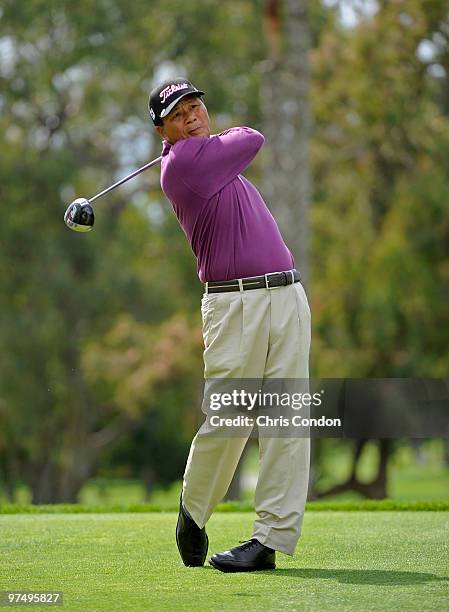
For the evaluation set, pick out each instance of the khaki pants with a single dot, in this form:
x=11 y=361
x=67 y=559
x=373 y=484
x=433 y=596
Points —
x=254 y=334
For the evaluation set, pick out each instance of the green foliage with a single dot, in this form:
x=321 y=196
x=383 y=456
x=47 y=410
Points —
x=380 y=232
x=73 y=381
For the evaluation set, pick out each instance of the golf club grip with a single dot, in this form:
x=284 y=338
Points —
x=126 y=178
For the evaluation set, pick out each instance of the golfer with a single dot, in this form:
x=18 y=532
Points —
x=256 y=323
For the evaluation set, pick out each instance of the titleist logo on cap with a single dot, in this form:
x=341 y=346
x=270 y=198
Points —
x=164 y=97
x=168 y=91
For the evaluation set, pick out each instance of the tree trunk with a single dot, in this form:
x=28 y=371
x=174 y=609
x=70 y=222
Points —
x=287 y=124
x=377 y=488
x=8 y=473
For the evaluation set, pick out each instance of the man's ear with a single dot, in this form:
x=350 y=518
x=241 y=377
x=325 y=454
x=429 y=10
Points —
x=160 y=130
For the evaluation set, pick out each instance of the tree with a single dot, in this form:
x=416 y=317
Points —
x=380 y=240
x=287 y=123
x=74 y=84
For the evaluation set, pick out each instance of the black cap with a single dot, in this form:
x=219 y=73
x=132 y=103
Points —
x=164 y=97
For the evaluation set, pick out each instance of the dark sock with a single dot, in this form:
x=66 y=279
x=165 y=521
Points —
x=188 y=514
x=271 y=550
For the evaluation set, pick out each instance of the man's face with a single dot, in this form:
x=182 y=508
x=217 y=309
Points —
x=188 y=118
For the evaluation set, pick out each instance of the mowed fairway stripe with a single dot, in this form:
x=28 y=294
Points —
x=345 y=561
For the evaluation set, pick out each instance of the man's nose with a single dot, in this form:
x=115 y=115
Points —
x=190 y=116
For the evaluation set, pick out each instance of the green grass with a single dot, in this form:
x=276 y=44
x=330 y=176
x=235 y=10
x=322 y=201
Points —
x=409 y=480
x=367 y=505
x=345 y=561
x=413 y=475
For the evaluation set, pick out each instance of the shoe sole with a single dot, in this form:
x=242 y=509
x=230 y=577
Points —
x=230 y=570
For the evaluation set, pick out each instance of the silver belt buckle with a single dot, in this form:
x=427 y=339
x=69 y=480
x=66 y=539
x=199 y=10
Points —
x=266 y=281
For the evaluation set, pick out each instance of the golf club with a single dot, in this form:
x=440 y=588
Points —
x=79 y=215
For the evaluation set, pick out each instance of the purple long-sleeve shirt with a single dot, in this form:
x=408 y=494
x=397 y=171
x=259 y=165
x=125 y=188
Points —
x=230 y=229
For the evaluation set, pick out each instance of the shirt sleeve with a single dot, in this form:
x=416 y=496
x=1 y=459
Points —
x=206 y=165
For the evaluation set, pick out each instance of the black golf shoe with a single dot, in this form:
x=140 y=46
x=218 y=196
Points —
x=249 y=557
x=191 y=540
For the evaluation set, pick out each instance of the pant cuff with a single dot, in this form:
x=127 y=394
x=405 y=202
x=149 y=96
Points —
x=271 y=541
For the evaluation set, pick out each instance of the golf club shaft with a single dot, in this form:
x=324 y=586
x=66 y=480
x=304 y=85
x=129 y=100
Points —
x=123 y=180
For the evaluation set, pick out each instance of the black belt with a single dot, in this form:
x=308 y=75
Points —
x=266 y=281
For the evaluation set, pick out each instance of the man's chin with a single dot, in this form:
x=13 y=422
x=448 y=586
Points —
x=198 y=132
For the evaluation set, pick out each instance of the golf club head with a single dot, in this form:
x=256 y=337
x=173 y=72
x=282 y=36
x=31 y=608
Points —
x=79 y=216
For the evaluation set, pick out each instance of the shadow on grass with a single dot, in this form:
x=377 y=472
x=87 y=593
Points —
x=355 y=576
